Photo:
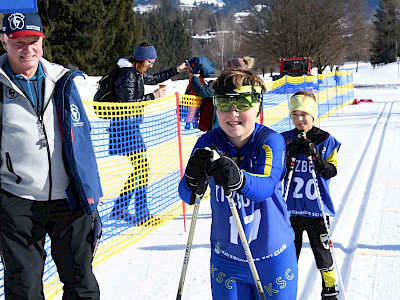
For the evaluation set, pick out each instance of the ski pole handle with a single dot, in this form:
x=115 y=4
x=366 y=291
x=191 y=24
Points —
x=302 y=135
x=214 y=156
x=202 y=186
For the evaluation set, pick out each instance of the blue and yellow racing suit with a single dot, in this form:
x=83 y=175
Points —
x=264 y=217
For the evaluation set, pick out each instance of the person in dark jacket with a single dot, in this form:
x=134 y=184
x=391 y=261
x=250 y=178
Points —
x=44 y=188
x=125 y=136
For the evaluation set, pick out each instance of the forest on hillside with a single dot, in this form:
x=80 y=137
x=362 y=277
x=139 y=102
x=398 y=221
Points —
x=91 y=35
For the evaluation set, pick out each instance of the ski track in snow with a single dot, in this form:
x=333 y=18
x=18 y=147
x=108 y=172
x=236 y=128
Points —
x=351 y=211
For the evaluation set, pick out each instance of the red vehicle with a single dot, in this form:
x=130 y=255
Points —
x=294 y=66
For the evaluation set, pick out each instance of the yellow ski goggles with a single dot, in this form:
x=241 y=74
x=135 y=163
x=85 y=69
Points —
x=241 y=99
x=240 y=103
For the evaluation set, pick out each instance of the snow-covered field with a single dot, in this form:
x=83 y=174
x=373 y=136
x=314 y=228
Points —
x=366 y=230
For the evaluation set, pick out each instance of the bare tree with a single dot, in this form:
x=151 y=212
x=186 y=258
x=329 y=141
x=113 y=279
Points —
x=290 y=28
x=226 y=41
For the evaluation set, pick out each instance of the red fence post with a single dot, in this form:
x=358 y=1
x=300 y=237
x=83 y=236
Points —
x=178 y=122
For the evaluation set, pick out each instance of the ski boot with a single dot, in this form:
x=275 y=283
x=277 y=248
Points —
x=329 y=293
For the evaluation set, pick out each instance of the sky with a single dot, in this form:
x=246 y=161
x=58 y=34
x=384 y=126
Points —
x=365 y=231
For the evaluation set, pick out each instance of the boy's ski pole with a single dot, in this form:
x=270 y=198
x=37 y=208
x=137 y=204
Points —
x=189 y=242
x=246 y=248
x=199 y=196
x=242 y=235
x=289 y=179
x=326 y=224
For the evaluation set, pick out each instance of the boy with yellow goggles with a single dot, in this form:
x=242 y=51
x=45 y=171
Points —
x=250 y=157
x=241 y=99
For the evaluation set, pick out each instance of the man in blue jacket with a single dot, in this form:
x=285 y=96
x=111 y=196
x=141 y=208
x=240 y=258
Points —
x=49 y=178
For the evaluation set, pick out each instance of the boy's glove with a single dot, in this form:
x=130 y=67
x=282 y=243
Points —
x=195 y=172
x=226 y=173
x=293 y=149
x=322 y=167
x=309 y=148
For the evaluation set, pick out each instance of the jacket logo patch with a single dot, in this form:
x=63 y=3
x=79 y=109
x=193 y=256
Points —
x=76 y=116
x=11 y=93
x=75 y=113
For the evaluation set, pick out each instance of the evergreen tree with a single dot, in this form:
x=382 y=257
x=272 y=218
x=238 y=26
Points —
x=385 y=47
x=164 y=28
x=88 y=34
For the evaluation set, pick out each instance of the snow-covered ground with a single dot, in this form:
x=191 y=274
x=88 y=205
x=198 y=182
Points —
x=365 y=232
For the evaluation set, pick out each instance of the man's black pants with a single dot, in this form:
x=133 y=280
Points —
x=23 y=228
